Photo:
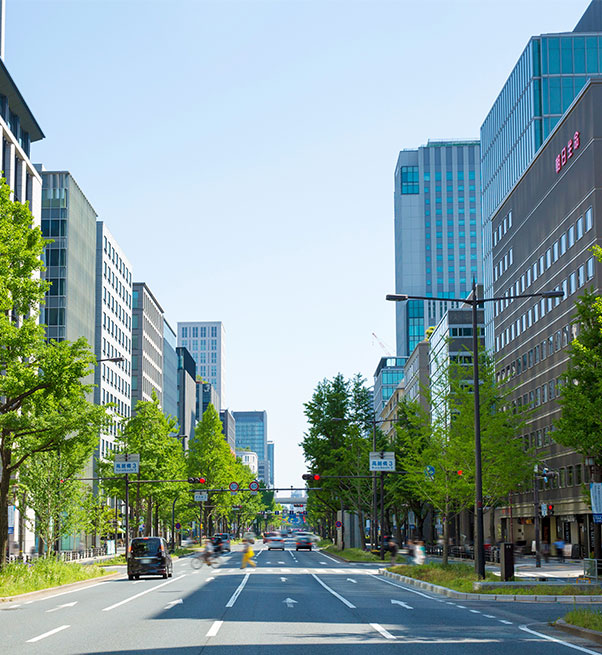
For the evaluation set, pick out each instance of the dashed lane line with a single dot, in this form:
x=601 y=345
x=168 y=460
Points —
x=334 y=593
x=236 y=594
x=505 y=622
x=142 y=593
x=329 y=557
x=383 y=632
x=214 y=629
x=473 y=611
x=47 y=634
x=394 y=584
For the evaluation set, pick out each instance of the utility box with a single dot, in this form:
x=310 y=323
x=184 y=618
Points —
x=506 y=562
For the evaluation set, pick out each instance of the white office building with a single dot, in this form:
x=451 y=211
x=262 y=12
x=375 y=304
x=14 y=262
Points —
x=205 y=342
x=113 y=332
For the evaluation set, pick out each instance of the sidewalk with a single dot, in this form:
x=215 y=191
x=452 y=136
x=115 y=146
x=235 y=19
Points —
x=524 y=567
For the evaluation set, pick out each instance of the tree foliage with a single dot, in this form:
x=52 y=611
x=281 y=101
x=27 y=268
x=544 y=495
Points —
x=42 y=394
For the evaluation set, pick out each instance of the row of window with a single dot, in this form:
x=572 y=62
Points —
x=450 y=211
x=112 y=378
x=116 y=332
x=122 y=291
x=449 y=175
x=195 y=331
x=504 y=225
x=502 y=266
x=567 y=240
x=569 y=286
x=117 y=261
x=115 y=306
x=194 y=345
x=121 y=408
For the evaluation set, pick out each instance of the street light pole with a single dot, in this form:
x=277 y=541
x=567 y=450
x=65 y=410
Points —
x=474 y=301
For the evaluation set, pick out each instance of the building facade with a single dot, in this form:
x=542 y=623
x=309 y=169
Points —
x=147 y=345
x=113 y=338
x=170 y=370
x=205 y=395
x=249 y=459
x=549 y=223
x=205 y=340
x=417 y=373
x=437 y=233
x=549 y=74
x=388 y=375
x=271 y=461
x=186 y=395
x=251 y=434
x=228 y=428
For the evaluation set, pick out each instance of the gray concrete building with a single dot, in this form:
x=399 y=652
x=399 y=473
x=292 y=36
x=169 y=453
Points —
x=417 y=373
x=228 y=428
x=147 y=345
x=170 y=371
x=186 y=395
x=546 y=227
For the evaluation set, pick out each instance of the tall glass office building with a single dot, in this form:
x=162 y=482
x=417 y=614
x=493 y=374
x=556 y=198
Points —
x=252 y=433
x=549 y=74
x=438 y=233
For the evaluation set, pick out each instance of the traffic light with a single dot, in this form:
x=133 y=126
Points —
x=550 y=510
x=460 y=472
x=311 y=476
x=197 y=480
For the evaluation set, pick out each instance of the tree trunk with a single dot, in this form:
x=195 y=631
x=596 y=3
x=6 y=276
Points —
x=4 y=489
x=597 y=477
x=446 y=535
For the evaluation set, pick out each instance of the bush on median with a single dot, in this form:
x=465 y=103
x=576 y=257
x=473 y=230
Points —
x=20 y=578
x=352 y=554
x=590 y=619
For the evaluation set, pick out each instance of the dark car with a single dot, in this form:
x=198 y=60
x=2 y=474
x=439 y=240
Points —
x=149 y=556
x=303 y=542
x=221 y=539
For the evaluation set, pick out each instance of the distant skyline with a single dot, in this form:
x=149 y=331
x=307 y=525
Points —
x=242 y=154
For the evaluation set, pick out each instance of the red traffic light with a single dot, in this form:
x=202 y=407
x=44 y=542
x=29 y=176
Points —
x=316 y=477
x=311 y=476
x=460 y=472
x=202 y=480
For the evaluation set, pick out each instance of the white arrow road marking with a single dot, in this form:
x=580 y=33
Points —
x=236 y=594
x=289 y=602
x=283 y=579
x=399 y=602
x=146 y=591
x=383 y=632
x=60 y=607
x=334 y=593
x=214 y=629
x=47 y=634
x=172 y=603
x=352 y=580
x=324 y=563
x=211 y=578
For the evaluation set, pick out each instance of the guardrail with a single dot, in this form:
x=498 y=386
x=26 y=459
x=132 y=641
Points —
x=63 y=555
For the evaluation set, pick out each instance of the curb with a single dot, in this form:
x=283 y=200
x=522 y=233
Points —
x=65 y=587
x=460 y=595
x=586 y=633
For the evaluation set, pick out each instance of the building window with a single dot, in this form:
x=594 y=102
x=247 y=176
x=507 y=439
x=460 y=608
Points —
x=579 y=227
x=409 y=180
x=589 y=219
x=590 y=268
x=571 y=236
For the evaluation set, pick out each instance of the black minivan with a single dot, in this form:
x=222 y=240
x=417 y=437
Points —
x=149 y=556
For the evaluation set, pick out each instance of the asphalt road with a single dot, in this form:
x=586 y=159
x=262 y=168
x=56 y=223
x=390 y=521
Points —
x=293 y=603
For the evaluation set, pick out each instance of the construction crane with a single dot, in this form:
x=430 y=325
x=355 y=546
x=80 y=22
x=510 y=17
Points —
x=384 y=346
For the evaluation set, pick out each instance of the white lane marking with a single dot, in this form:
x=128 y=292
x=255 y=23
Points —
x=449 y=602
x=142 y=593
x=236 y=594
x=419 y=593
x=268 y=562
x=338 y=571
x=214 y=629
x=60 y=607
x=506 y=622
x=489 y=616
x=290 y=602
x=72 y=591
x=47 y=634
x=280 y=562
x=172 y=603
x=10 y=607
x=325 y=563
x=463 y=607
x=559 y=641
x=211 y=578
x=352 y=580
x=283 y=579
x=383 y=632
x=329 y=557
x=334 y=593
x=399 y=602
x=473 y=611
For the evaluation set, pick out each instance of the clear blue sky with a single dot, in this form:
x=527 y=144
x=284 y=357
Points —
x=243 y=152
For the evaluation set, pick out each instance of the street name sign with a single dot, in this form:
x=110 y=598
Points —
x=382 y=461
x=200 y=496
x=126 y=463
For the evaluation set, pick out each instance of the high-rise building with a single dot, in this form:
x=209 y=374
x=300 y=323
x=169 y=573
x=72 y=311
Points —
x=546 y=227
x=186 y=395
x=271 y=461
x=147 y=345
x=205 y=395
x=549 y=74
x=437 y=233
x=205 y=342
x=229 y=428
x=251 y=434
x=70 y=221
x=170 y=371
x=388 y=374
x=113 y=326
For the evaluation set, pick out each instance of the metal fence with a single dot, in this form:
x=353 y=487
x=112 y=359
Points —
x=63 y=555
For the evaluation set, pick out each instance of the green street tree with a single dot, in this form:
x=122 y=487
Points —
x=42 y=394
x=580 y=424
x=149 y=433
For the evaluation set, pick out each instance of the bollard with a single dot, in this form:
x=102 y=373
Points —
x=506 y=562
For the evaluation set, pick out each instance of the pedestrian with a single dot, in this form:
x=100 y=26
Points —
x=419 y=553
x=393 y=550
x=410 y=549
x=559 y=544
x=247 y=555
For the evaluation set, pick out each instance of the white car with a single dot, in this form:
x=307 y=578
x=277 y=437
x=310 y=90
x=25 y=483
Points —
x=275 y=542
